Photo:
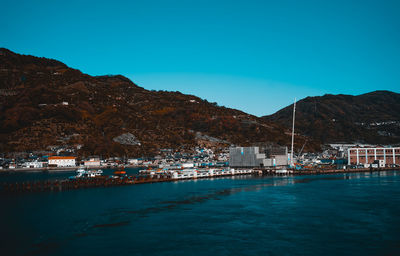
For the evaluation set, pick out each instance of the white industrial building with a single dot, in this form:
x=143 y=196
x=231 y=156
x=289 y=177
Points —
x=62 y=161
x=33 y=164
x=249 y=157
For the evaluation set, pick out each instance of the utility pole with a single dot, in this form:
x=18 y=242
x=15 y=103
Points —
x=294 y=115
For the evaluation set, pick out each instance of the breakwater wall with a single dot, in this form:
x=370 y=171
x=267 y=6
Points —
x=100 y=181
x=103 y=181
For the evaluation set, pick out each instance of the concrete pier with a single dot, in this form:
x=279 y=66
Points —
x=103 y=181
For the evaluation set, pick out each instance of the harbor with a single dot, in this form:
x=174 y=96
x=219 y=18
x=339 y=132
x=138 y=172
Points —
x=197 y=128
x=93 y=179
x=119 y=178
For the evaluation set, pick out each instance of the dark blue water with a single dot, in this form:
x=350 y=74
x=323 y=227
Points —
x=24 y=176
x=352 y=214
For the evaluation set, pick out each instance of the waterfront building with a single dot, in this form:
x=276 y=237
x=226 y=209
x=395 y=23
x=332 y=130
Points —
x=33 y=164
x=187 y=165
x=94 y=161
x=133 y=161
x=246 y=157
x=389 y=156
x=250 y=157
x=62 y=161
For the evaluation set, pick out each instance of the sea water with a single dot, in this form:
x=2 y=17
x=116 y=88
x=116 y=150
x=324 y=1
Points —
x=342 y=214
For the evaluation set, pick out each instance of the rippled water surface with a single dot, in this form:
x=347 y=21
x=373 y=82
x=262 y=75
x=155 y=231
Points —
x=351 y=214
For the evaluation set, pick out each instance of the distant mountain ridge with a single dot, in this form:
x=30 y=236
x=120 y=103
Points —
x=45 y=104
x=367 y=118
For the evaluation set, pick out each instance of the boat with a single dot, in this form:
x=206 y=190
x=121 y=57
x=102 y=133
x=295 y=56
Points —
x=80 y=170
x=82 y=173
x=99 y=172
x=120 y=172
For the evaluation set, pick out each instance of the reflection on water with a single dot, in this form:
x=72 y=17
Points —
x=216 y=195
x=366 y=175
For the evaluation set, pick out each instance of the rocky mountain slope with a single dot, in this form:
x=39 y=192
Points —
x=45 y=104
x=368 y=118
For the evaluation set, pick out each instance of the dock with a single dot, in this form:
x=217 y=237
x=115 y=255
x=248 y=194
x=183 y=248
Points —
x=104 y=181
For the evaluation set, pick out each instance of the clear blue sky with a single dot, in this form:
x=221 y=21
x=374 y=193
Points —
x=255 y=56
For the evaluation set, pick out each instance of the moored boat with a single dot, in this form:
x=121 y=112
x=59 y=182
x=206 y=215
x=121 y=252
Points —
x=82 y=173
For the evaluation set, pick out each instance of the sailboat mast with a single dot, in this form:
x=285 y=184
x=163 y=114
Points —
x=294 y=115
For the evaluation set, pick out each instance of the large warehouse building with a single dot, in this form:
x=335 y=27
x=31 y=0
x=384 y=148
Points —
x=390 y=156
x=250 y=157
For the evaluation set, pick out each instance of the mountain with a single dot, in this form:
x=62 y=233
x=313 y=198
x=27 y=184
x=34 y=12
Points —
x=46 y=104
x=368 y=118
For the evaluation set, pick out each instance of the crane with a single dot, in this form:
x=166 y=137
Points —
x=294 y=115
x=301 y=150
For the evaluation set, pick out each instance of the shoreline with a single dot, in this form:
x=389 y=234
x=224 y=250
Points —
x=255 y=170
x=63 y=169
x=103 y=181
x=291 y=172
